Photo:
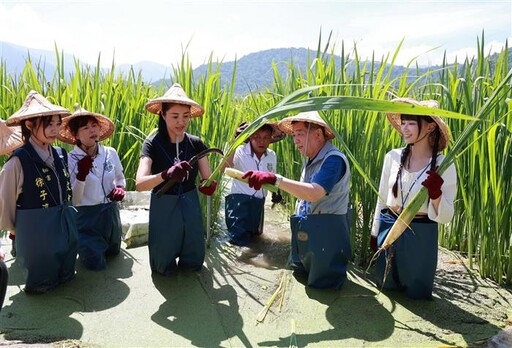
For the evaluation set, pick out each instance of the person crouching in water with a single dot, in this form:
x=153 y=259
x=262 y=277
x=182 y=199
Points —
x=244 y=206
x=35 y=204
x=176 y=228
x=405 y=171
x=98 y=183
x=320 y=244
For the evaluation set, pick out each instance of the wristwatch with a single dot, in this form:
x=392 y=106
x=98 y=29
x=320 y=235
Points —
x=279 y=179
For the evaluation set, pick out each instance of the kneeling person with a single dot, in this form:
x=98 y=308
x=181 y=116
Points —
x=245 y=205
x=320 y=244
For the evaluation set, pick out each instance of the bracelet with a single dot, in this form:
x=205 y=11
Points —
x=279 y=179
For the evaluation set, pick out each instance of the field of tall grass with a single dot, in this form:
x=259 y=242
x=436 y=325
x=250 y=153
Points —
x=349 y=94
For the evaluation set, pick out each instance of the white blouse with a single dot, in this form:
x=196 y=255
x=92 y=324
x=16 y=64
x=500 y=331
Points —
x=106 y=173
x=409 y=185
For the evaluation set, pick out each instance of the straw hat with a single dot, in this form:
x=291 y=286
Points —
x=277 y=134
x=177 y=95
x=106 y=126
x=311 y=116
x=35 y=105
x=395 y=120
x=10 y=138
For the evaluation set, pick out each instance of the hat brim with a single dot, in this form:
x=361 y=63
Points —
x=395 y=118
x=35 y=105
x=16 y=120
x=277 y=134
x=106 y=127
x=155 y=105
x=10 y=138
x=286 y=125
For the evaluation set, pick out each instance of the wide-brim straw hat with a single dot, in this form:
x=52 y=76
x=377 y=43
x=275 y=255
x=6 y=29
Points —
x=277 y=134
x=106 y=126
x=10 y=138
x=176 y=95
x=396 y=121
x=35 y=105
x=311 y=116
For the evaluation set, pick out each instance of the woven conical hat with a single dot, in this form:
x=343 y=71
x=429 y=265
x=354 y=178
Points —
x=10 y=138
x=396 y=121
x=177 y=95
x=35 y=105
x=106 y=126
x=311 y=116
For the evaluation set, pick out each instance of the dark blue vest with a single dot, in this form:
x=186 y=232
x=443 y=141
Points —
x=40 y=182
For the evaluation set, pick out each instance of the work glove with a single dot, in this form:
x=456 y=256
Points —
x=373 y=243
x=241 y=127
x=256 y=178
x=208 y=190
x=13 y=244
x=117 y=194
x=276 y=197
x=433 y=184
x=177 y=172
x=84 y=167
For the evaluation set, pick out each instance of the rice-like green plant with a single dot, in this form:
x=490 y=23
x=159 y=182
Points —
x=352 y=95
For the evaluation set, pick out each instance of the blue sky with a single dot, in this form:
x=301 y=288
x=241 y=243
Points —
x=158 y=30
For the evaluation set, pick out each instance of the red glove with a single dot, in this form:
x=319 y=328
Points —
x=177 y=172
x=208 y=190
x=258 y=178
x=433 y=184
x=117 y=194
x=84 y=167
x=373 y=243
x=12 y=236
x=241 y=128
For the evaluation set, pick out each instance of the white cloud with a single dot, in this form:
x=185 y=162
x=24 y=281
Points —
x=159 y=30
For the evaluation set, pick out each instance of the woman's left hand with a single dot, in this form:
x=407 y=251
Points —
x=433 y=184
x=117 y=194
x=208 y=190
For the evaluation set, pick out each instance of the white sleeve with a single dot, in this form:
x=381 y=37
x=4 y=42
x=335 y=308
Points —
x=383 y=193
x=446 y=208
x=76 y=185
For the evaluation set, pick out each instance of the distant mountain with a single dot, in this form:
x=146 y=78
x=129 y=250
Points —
x=15 y=58
x=253 y=71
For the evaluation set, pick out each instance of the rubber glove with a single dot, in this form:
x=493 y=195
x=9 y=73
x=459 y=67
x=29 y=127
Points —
x=117 y=194
x=433 y=184
x=177 y=172
x=84 y=167
x=208 y=190
x=258 y=178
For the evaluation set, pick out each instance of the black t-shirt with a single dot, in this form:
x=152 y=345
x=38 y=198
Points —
x=163 y=154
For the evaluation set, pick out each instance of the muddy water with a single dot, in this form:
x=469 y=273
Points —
x=270 y=249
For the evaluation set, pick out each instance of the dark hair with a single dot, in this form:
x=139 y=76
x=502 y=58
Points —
x=162 y=126
x=77 y=122
x=267 y=128
x=434 y=138
x=36 y=122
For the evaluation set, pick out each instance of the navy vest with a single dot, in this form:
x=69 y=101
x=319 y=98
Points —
x=40 y=182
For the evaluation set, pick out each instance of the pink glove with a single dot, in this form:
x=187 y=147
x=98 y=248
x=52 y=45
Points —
x=208 y=190
x=258 y=178
x=117 y=194
x=177 y=172
x=84 y=167
x=433 y=184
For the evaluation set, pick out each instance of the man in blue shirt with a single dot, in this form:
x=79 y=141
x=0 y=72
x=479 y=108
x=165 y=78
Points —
x=320 y=244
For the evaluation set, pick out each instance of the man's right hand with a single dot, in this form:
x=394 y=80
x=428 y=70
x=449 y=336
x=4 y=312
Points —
x=84 y=167
x=177 y=172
